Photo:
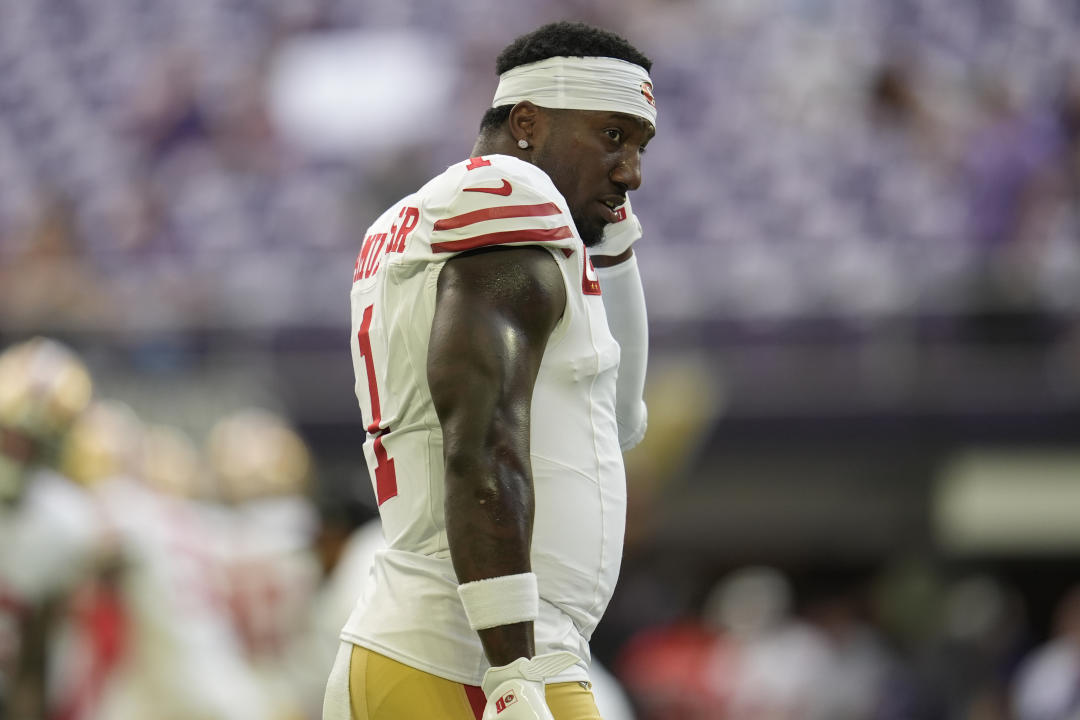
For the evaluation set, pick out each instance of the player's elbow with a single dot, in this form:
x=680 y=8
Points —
x=493 y=475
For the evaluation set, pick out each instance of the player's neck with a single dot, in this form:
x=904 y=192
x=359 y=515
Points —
x=498 y=144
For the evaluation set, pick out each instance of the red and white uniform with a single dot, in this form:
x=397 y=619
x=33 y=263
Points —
x=185 y=658
x=49 y=543
x=413 y=613
x=273 y=579
x=49 y=539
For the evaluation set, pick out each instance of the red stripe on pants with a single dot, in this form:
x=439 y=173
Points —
x=476 y=700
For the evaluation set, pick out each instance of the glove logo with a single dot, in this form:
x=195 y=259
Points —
x=506 y=700
x=590 y=284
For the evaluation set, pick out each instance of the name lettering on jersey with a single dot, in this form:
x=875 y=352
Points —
x=376 y=245
x=409 y=216
x=367 y=262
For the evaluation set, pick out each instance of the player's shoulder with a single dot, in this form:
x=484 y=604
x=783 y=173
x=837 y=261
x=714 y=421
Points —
x=490 y=178
x=493 y=200
x=477 y=203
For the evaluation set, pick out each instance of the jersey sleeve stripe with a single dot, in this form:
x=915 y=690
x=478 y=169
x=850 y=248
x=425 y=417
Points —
x=498 y=212
x=508 y=236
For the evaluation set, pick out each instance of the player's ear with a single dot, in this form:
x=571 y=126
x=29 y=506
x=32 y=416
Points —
x=526 y=122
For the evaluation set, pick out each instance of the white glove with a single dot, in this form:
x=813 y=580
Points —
x=516 y=691
x=619 y=236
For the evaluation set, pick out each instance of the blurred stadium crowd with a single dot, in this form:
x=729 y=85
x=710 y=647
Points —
x=167 y=182
x=816 y=157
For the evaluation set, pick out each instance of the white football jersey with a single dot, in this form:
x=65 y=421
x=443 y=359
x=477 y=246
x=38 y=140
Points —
x=412 y=612
x=49 y=540
x=185 y=658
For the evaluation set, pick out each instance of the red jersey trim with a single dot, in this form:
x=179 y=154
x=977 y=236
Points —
x=508 y=236
x=477 y=700
x=497 y=213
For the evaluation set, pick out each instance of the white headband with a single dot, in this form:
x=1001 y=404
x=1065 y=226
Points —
x=575 y=83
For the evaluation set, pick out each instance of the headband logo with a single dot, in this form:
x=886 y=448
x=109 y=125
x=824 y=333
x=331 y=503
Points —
x=647 y=91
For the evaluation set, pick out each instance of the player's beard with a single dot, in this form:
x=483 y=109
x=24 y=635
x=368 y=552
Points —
x=591 y=232
x=590 y=228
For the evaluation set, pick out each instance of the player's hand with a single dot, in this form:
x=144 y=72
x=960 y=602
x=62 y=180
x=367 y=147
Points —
x=619 y=236
x=516 y=691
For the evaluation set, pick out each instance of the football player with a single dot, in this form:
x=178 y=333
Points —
x=499 y=343
x=264 y=470
x=46 y=521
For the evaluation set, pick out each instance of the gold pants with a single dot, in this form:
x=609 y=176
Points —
x=384 y=689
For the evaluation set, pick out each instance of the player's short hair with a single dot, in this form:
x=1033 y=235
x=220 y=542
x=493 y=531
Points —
x=559 y=39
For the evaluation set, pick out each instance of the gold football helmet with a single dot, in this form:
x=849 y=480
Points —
x=171 y=463
x=105 y=441
x=44 y=386
x=254 y=453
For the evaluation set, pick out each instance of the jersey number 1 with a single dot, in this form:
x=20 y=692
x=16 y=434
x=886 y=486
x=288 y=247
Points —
x=385 y=476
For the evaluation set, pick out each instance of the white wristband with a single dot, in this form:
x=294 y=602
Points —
x=502 y=600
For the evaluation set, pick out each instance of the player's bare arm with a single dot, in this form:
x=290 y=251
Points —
x=495 y=310
x=603 y=261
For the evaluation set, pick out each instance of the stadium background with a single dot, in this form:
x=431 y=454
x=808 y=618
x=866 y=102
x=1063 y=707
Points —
x=862 y=262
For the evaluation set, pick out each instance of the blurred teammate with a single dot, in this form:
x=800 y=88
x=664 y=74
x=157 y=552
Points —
x=44 y=386
x=47 y=522
x=91 y=632
x=264 y=468
x=499 y=387
x=177 y=655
